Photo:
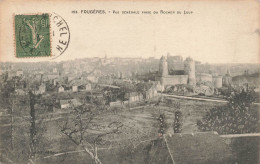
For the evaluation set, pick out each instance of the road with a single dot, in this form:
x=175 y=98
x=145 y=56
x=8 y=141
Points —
x=241 y=135
x=196 y=98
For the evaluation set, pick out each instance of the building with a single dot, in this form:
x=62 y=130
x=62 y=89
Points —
x=39 y=90
x=175 y=62
x=158 y=86
x=151 y=93
x=42 y=88
x=54 y=70
x=61 y=89
x=19 y=73
x=204 y=77
x=88 y=87
x=69 y=103
x=92 y=78
x=163 y=67
x=189 y=69
x=115 y=104
x=54 y=82
x=217 y=81
x=74 y=88
x=134 y=97
x=185 y=76
x=51 y=76
x=20 y=91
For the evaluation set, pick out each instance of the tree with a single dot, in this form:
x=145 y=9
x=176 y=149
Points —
x=162 y=124
x=8 y=88
x=124 y=89
x=143 y=88
x=77 y=129
x=33 y=137
x=37 y=129
x=177 y=127
x=9 y=99
x=237 y=116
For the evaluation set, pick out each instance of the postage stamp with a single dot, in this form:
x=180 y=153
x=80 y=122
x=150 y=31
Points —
x=32 y=35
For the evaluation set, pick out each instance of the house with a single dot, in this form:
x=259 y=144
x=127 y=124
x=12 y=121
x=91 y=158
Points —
x=54 y=70
x=51 y=76
x=19 y=73
x=88 y=87
x=151 y=93
x=69 y=103
x=158 y=86
x=134 y=97
x=61 y=89
x=39 y=89
x=115 y=104
x=42 y=89
x=92 y=78
x=4 y=112
x=257 y=89
x=64 y=104
x=20 y=91
x=54 y=82
x=74 y=88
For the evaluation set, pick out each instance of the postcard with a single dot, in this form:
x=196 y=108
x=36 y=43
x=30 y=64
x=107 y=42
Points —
x=129 y=82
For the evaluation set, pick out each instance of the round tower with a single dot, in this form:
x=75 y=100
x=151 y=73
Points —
x=189 y=69
x=163 y=67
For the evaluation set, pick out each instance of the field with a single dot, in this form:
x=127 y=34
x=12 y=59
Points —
x=138 y=127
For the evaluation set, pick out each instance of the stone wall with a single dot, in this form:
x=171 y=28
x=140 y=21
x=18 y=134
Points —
x=173 y=80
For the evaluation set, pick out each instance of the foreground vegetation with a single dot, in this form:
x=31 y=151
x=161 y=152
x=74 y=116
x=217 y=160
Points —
x=237 y=117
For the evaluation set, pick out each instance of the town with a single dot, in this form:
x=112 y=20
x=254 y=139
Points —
x=124 y=105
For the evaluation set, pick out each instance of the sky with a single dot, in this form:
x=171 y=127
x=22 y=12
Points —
x=216 y=32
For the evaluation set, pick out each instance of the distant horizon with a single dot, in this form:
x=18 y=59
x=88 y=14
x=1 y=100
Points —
x=120 y=57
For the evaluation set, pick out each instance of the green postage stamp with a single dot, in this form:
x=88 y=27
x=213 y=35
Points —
x=32 y=35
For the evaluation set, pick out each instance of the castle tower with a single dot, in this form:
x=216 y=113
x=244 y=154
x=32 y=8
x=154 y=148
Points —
x=163 y=67
x=189 y=69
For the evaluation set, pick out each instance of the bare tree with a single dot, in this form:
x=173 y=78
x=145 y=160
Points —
x=32 y=128
x=77 y=127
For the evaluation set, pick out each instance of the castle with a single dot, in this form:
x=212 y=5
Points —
x=173 y=70
x=184 y=73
